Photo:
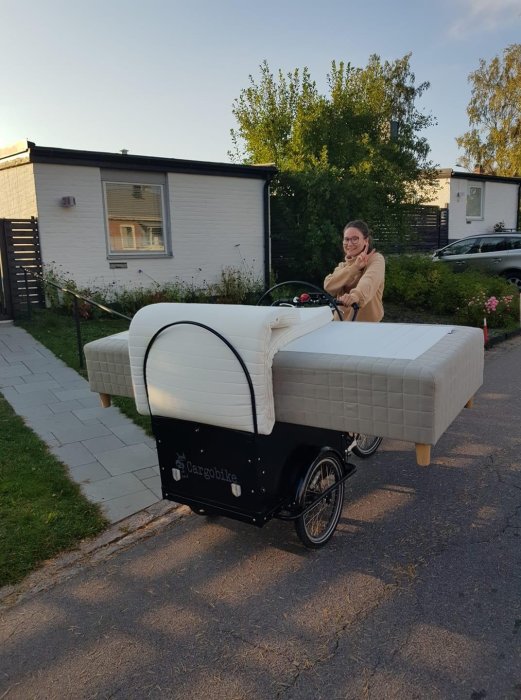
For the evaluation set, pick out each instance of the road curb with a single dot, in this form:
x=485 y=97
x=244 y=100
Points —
x=118 y=536
x=501 y=337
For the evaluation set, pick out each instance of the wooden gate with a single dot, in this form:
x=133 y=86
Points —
x=20 y=259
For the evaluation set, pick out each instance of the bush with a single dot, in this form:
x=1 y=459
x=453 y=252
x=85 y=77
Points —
x=416 y=282
x=412 y=282
x=499 y=312
x=236 y=286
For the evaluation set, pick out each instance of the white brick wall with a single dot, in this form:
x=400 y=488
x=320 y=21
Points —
x=215 y=222
x=500 y=205
x=17 y=193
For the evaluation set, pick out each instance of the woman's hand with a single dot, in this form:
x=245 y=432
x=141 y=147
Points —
x=347 y=299
x=363 y=258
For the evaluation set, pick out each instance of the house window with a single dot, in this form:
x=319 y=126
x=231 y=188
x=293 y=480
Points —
x=475 y=200
x=135 y=218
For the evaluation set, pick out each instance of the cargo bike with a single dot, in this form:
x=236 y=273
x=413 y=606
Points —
x=296 y=473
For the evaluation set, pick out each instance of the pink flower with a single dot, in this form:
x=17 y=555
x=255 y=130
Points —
x=491 y=304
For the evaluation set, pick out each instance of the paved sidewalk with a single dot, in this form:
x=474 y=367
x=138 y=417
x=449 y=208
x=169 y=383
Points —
x=113 y=459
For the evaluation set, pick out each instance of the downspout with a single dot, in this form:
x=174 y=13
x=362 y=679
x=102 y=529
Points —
x=518 y=220
x=267 y=231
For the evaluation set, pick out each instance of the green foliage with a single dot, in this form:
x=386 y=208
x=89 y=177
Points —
x=337 y=157
x=494 y=111
x=499 y=312
x=57 y=282
x=236 y=286
x=129 y=300
x=416 y=282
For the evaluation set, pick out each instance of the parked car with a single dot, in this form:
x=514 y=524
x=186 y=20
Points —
x=495 y=253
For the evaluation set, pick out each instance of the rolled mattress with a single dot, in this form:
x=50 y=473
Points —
x=402 y=381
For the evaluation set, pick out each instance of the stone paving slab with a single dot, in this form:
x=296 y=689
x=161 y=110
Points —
x=113 y=460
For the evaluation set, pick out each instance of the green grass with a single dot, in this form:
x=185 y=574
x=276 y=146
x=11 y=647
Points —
x=42 y=512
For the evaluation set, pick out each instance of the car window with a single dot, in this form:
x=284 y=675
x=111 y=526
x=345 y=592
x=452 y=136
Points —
x=516 y=243
x=491 y=244
x=469 y=245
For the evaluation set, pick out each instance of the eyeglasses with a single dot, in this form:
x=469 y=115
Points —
x=351 y=241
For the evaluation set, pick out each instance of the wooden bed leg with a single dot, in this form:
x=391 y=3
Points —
x=470 y=402
x=105 y=400
x=423 y=454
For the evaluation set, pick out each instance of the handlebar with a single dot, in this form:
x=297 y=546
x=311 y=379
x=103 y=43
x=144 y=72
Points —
x=318 y=297
x=315 y=299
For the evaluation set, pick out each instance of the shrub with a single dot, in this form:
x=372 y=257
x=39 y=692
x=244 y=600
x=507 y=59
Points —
x=236 y=286
x=499 y=312
x=416 y=282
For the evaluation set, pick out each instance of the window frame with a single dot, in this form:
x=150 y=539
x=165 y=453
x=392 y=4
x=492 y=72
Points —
x=133 y=181
x=476 y=186
x=122 y=234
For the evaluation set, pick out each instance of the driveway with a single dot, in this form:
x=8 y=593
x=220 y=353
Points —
x=418 y=594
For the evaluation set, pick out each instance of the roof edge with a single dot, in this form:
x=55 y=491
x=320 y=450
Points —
x=127 y=161
x=448 y=172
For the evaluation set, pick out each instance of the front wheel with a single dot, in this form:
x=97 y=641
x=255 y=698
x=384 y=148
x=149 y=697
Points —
x=366 y=445
x=316 y=527
x=514 y=277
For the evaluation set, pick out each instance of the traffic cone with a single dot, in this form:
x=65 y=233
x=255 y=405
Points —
x=485 y=331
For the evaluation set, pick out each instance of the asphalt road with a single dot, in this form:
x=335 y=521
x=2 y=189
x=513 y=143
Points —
x=418 y=595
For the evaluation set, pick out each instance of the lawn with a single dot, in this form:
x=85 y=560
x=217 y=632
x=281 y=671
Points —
x=41 y=511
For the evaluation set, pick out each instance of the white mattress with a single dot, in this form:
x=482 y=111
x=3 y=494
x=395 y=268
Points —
x=193 y=375
x=402 y=341
x=404 y=381
x=391 y=389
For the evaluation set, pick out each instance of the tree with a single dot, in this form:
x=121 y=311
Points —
x=494 y=111
x=338 y=155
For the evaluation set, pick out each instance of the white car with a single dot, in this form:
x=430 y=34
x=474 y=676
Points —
x=494 y=253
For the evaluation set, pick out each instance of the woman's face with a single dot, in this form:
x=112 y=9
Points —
x=354 y=242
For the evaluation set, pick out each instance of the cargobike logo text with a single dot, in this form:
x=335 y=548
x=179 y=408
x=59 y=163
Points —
x=186 y=467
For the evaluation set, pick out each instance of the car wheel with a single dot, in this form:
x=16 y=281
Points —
x=514 y=277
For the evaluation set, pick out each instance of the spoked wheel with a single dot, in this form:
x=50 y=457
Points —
x=316 y=527
x=366 y=445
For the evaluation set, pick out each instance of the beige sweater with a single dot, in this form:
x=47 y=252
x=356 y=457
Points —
x=366 y=286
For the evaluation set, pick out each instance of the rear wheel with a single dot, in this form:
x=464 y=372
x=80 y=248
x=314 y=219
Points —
x=514 y=277
x=366 y=445
x=316 y=527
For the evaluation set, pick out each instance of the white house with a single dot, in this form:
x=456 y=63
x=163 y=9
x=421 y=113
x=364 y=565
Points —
x=130 y=219
x=477 y=202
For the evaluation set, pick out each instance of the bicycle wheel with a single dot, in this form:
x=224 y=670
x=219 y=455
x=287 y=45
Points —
x=366 y=445
x=316 y=527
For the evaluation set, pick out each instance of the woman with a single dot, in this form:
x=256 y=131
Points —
x=360 y=278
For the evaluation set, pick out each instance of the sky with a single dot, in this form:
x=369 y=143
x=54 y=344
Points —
x=159 y=77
